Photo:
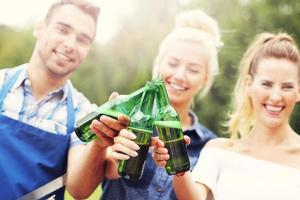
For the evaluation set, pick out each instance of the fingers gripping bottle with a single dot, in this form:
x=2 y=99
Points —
x=168 y=127
x=121 y=105
x=141 y=124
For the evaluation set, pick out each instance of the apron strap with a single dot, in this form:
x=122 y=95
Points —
x=70 y=112
x=45 y=189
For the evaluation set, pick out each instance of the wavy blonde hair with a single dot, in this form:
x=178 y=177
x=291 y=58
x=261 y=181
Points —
x=197 y=27
x=265 y=45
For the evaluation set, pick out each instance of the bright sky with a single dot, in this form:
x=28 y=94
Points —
x=27 y=12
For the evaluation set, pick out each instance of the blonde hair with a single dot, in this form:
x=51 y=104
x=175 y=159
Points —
x=194 y=26
x=265 y=45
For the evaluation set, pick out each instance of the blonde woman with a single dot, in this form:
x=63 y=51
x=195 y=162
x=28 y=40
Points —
x=187 y=62
x=262 y=159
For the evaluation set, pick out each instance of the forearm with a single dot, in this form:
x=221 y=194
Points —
x=85 y=169
x=186 y=188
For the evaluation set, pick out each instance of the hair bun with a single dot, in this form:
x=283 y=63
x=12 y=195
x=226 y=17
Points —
x=197 y=19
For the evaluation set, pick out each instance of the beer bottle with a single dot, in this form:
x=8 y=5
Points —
x=141 y=124
x=121 y=105
x=168 y=127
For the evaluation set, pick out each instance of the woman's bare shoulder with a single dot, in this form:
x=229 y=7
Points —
x=222 y=143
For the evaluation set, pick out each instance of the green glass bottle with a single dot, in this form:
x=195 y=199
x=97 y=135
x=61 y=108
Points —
x=141 y=124
x=122 y=105
x=168 y=126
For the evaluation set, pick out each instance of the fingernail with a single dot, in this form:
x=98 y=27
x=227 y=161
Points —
x=126 y=157
x=132 y=136
x=134 y=154
x=102 y=117
x=136 y=147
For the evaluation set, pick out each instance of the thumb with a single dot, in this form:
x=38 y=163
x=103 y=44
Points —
x=113 y=96
x=155 y=141
x=187 y=139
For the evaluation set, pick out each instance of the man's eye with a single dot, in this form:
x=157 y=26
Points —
x=61 y=30
x=84 y=41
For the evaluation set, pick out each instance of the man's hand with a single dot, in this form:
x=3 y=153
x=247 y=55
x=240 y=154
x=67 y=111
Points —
x=106 y=128
x=124 y=147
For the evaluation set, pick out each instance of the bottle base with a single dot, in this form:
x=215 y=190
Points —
x=178 y=171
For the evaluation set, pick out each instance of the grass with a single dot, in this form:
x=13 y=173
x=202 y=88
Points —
x=95 y=196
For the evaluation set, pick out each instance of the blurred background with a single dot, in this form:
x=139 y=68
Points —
x=129 y=35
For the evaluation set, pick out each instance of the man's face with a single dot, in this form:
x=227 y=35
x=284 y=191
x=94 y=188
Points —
x=65 y=40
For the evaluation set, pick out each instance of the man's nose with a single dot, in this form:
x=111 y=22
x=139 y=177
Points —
x=70 y=43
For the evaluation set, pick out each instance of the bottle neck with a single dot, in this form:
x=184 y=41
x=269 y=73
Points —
x=141 y=116
x=146 y=104
x=125 y=103
x=162 y=95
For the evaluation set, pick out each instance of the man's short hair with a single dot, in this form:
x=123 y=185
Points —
x=83 y=5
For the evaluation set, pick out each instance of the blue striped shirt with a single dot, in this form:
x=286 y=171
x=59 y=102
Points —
x=48 y=113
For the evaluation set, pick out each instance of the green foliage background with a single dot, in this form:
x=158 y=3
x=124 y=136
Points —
x=124 y=63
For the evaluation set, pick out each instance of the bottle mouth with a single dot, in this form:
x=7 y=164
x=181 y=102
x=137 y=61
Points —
x=154 y=83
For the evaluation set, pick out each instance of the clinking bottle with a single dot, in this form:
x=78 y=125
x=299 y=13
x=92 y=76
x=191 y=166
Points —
x=168 y=126
x=121 y=105
x=141 y=124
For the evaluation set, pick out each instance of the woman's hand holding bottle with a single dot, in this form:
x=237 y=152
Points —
x=160 y=153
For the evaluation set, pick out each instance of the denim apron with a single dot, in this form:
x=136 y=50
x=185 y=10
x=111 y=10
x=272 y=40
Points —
x=32 y=161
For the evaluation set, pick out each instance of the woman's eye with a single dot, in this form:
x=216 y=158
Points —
x=172 y=64
x=287 y=87
x=266 y=84
x=194 y=71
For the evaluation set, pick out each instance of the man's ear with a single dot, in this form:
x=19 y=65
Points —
x=38 y=29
